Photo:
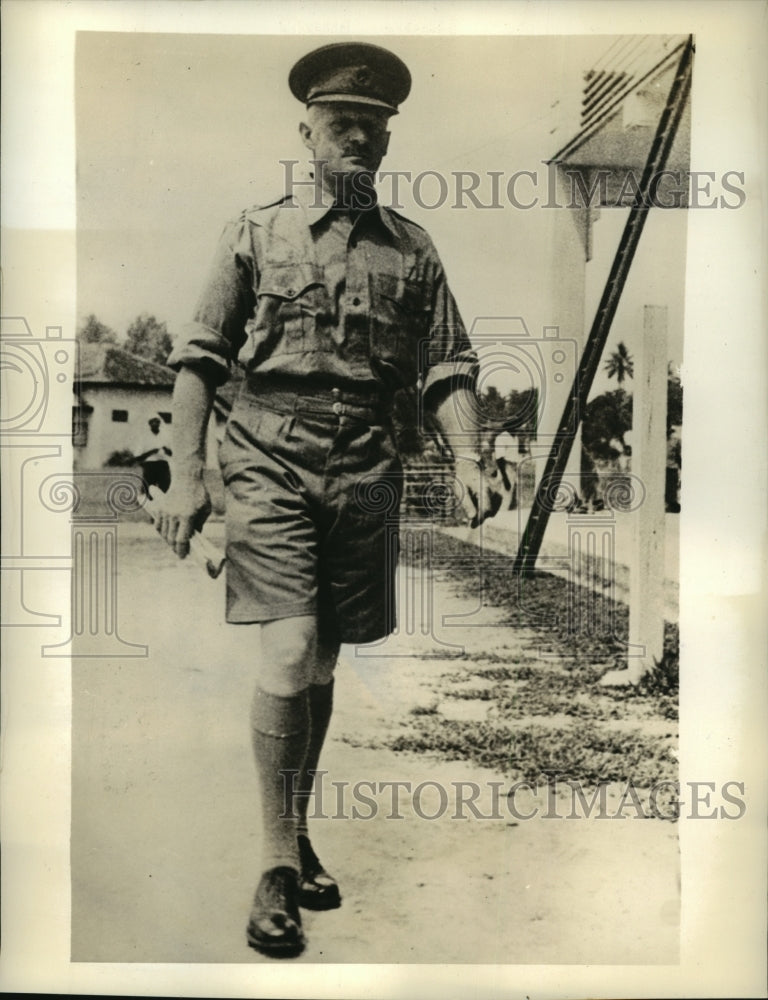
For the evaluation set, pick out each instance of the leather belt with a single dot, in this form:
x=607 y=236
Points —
x=294 y=396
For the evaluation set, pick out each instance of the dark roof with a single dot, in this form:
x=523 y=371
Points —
x=106 y=364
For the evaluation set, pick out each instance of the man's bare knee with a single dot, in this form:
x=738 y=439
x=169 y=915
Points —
x=288 y=654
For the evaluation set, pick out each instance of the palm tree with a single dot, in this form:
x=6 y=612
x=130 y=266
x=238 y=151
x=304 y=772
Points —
x=620 y=363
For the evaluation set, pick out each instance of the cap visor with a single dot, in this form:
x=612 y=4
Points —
x=350 y=99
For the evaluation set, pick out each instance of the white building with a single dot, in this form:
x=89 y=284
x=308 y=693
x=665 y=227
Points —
x=116 y=393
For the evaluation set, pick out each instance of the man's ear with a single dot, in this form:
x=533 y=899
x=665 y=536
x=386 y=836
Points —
x=306 y=135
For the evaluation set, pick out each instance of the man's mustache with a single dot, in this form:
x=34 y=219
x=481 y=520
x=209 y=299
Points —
x=355 y=148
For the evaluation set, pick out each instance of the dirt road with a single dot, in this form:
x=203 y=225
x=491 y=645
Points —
x=165 y=828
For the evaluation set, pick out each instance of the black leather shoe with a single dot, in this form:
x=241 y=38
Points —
x=275 y=925
x=317 y=889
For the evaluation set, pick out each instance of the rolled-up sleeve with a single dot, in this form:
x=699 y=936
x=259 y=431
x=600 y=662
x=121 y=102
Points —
x=211 y=341
x=451 y=359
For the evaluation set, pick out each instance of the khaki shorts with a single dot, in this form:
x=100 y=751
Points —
x=312 y=502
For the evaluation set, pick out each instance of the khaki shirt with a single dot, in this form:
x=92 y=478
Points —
x=312 y=292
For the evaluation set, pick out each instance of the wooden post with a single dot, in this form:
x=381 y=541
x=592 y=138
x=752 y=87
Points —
x=646 y=594
x=649 y=443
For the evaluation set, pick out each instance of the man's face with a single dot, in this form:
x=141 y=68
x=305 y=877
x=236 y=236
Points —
x=349 y=138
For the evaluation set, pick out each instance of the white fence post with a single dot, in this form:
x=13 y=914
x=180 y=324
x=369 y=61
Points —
x=647 y=558
x=649 y=422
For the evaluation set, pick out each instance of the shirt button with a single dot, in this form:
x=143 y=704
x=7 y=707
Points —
x=335 y=393
x=337 y=408
x=355 y=301
x=290 y=292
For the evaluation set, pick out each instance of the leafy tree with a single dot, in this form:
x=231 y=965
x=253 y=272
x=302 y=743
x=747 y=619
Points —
x=607 y=418
x=516 y=413
x=620 y=364
x=149 y=339
x=674 y=399
x=492 y=406
x=522 y=412
x=93 y=331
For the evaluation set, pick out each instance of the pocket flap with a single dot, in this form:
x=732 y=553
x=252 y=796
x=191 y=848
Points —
x=406 y=295
x=289 y=281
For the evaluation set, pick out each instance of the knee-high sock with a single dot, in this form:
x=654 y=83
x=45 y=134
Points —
x=280 y=732
x=320 y=708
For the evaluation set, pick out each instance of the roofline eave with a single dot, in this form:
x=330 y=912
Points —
x=595 y=127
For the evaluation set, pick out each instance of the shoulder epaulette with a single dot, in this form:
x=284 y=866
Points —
x=254 y=209
x=405 y=219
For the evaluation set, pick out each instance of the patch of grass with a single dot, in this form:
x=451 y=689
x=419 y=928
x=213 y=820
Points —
x=486 y=673
x=667 y=707
x=575 y=693
x=551 y=693
x=665 y=679
x=523 y=687
x=480 y=742
x=544 y=691
x=552 y=607
x=490 y=657
x=424 y=709
x=473 y=694
x=584 y=752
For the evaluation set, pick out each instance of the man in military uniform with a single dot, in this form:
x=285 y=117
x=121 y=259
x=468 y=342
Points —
x=328 y=299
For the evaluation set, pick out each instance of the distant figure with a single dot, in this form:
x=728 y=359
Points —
x=606 y=461
x=605 y=454
x=155 y=469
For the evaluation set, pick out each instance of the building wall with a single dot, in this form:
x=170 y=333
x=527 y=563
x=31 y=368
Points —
x=106 y=435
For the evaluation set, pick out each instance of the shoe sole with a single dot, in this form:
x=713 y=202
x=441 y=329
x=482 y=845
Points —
x=314 y=901
x=277 y=949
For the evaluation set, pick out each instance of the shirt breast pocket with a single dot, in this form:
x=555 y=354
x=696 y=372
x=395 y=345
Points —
x=288 y=299
x=400 y=326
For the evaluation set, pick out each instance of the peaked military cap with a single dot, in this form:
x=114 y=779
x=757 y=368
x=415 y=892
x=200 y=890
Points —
x=352 y=72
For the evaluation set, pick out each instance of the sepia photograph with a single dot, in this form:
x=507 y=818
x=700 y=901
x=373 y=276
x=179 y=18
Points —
x=335 y=390
x=361 y=441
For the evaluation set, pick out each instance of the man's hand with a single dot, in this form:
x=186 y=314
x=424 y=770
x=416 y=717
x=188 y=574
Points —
x=485 y=490
x=181 y=511
x=185 y=507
